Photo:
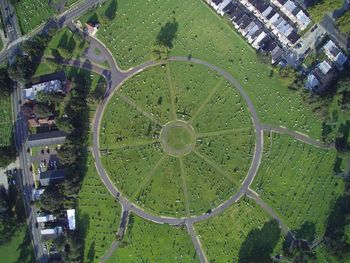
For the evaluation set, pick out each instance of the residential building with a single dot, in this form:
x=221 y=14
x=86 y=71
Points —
x=335 y=54
x=71 y=219
x=53 y=86
x=51 y=177
x=51 y=233
x=36 y=193
x=45 y=218
x=320 y=77
x=46 y=139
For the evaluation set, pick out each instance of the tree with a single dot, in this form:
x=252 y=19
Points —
x=43 y=110
x=52 y=199
x=67 y=154
x=6 y=85
x=22 y=69
x=288 y=76
x=344 y=22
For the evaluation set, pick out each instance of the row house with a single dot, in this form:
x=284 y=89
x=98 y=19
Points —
x=253 y=31
x=275 y=21
x=293 y=12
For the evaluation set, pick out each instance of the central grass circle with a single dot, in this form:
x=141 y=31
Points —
x=178 y=138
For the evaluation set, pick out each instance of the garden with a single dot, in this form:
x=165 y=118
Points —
x=300 y=182
x=145 y=241
x=132 y=33
x=161 y=138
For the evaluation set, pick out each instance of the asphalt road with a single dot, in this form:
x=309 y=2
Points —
x=60 y=21
x=21 y=131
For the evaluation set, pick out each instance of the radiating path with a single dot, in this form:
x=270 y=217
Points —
x=116 y=78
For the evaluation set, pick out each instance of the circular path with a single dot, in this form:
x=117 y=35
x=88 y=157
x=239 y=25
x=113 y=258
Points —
x=127 y=205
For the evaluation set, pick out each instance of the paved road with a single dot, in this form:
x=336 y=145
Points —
x=21 y=130
x=253 y=195
x=298 y=136
x=25 y=179
x=59 y=21
x=116 y=78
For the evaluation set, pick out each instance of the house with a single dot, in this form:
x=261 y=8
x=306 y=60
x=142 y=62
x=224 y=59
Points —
x=36 y=193
x=320 y=77
x=46 y=139
x=53 y=86
x=71 y=219
x=51 y=177
x=335 y=54
x=41 y=122
x=51 y=233
x=91 y=28
x=46 y=218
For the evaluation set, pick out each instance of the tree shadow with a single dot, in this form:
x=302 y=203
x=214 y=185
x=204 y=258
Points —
x=93 y=19
x=337 y=222
x=25 y=250
x=91 y=253
x=111 y=10
x=341 y=142
x=306 y=231
x=167 y=34
x=260 y=243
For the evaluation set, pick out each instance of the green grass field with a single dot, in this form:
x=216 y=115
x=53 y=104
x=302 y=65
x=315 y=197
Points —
x=72 y=43
x=241 y=231
x=19 y=248
x=297 y=180
x=194 y=173
x=145 y=241
x=132 y=34
x=5 y=121
x=99 y=215
x=32 y=13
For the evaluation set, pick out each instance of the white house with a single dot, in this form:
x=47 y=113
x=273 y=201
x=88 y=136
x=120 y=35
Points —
x=53 y=86
x=71 y=219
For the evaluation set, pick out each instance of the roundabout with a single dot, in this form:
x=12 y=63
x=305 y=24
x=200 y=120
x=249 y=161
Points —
x=178 y=138
x=176 y=141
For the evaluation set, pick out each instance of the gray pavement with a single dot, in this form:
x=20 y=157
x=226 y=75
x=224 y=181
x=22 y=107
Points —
x=297 y=135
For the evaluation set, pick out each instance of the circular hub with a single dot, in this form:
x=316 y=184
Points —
x=177 y=138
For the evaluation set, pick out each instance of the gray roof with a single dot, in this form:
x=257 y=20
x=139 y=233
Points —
x=51 y=176
x=46 y=138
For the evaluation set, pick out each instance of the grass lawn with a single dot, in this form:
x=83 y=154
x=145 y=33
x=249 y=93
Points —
x=323 y=256
x=5 y=121
x=194 y=173
x=297 y=180
x=239 y=233
x=132 y=33
x=71 y=43
x=145 y=241
x=99 y=215
x=321 y=8
x=32 y=13
x=19 y=248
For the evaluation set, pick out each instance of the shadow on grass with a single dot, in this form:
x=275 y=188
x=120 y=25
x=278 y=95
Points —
x=306 y=231
x=111 y=10
x=167 y=34
x=260 y=243
x=25 y=250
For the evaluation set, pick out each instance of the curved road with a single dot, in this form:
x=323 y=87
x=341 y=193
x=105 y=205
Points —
x=116 y=77
x=169 y=220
